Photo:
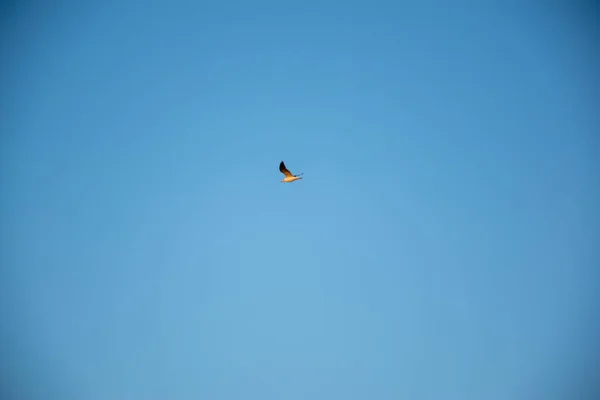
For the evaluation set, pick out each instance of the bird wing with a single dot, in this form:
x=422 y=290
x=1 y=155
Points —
x=284 y=170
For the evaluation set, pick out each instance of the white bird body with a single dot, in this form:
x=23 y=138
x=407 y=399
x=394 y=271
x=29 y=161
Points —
x=289 y=177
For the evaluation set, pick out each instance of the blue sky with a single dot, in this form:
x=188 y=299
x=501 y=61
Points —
x=442 y=245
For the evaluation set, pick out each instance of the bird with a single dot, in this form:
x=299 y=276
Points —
x=289 y=177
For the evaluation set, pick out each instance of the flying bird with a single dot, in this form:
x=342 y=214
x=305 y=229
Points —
x=289 y=177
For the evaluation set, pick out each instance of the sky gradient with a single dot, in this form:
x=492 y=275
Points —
x=443 y=243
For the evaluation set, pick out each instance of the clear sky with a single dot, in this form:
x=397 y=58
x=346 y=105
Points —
x=443 y=243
